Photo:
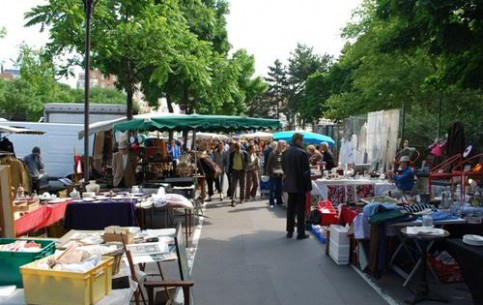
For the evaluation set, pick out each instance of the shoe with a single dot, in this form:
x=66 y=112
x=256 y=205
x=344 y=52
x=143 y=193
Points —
x=221 y=197
x=271 y=206
x=300 y=237
x=233 y=203
x=289 y=234
x=209 y=199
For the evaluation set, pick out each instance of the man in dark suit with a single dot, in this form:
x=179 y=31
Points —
x=296 y=168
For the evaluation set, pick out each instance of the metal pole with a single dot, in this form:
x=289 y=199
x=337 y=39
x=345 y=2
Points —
x=88 y=4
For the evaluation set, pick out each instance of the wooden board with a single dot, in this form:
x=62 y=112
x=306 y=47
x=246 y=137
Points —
x=6 y=212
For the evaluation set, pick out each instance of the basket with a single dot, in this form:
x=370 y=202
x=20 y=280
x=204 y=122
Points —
x=446 y=273
x=53 y=287
x=329 y=213
x=11 y=261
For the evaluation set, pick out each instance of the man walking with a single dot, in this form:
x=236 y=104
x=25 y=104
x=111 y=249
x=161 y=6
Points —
x=296 y=168
x=237 y=170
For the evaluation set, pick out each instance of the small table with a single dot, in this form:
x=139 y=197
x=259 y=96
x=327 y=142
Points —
x=422 y=292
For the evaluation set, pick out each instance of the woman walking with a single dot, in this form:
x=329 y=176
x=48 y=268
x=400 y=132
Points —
x=252 y=173
x=274 y=170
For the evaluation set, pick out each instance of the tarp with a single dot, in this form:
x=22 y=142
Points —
x=309 y=137
x=260 y=135
x=209 y=123
x=19 y=130
x=107 y=125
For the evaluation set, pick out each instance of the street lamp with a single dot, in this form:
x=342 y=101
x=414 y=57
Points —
x=88 y=7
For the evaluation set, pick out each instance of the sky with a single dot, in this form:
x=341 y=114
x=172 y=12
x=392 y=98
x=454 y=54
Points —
x=267 y=29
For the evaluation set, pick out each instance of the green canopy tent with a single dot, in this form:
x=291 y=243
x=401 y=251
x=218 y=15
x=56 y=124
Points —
x=197 y=122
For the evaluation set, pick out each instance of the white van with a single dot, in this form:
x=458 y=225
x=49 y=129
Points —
x=57 y=144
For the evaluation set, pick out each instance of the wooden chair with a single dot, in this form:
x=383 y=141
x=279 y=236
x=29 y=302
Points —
x=184 y=282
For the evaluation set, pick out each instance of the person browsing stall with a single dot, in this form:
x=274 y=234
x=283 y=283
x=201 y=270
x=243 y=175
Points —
x=296 y=169
x=327 y=156
x=35 y=167
x=174 y=150
x=124 y=165
x=405 y=180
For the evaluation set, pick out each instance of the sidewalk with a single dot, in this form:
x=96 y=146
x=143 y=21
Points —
x=243 y=257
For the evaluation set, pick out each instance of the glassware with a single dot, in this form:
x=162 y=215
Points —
x=427 y=221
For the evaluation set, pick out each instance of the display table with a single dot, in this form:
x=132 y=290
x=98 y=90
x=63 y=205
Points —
x=470 y=260
x=83 y=215
x=349 y=190
x=42 y=217
x=405 y=240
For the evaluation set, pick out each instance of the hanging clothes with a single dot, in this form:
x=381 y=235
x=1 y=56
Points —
x=456 y=140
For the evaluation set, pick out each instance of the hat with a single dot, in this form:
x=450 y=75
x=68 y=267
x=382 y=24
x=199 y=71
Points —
x=404 y=159
x=123 y=144
x=36 y=150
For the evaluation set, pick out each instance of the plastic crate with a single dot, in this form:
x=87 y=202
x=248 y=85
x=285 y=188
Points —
x=316 y=231
x=446 y=273
x=338 y=234
x=52 y=287
x=11 y=261
x=329 y=213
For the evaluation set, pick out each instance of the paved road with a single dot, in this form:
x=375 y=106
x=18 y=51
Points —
x=244 y=258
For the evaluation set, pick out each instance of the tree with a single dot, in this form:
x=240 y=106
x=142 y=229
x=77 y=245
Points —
x=278 y=90
x=128 y=37
x=387 y=65
x=448 y=29
x=303 y=62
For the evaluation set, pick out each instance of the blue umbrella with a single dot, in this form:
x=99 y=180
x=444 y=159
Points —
x=309 y=137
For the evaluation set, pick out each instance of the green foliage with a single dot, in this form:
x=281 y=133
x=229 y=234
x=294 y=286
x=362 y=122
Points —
x=400 y=56
x=278 y=92
x=173 y=49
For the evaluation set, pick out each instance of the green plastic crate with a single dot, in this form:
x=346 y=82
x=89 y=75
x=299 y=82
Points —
x=11 y=261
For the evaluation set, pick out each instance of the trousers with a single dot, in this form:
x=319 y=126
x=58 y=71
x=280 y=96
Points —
x=296 y=207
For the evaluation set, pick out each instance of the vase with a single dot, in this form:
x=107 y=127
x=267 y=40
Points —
x=93 y=187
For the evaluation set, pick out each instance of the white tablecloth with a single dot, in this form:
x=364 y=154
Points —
x=319 y=186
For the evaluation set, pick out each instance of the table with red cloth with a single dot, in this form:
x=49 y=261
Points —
x=40 y=218
x=87 y=215
x=347 y=214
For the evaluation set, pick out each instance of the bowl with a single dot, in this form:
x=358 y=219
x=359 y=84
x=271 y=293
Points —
x=88 y=195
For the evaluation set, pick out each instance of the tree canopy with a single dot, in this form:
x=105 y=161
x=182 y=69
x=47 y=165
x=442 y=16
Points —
x=173 y=49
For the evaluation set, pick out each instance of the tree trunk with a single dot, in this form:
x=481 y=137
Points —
x=130 y=93
x=169 y=103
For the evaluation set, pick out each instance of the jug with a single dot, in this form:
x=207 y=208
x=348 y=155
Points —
x=135 y=189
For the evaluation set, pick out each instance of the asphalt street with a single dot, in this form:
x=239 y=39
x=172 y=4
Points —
x=243 y=257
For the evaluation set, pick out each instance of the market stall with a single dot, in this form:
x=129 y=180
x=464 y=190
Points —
x=196 y=123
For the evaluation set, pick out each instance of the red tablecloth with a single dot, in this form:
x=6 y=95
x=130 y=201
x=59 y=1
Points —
x=40 y=218
x=347 y=214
